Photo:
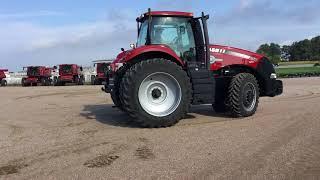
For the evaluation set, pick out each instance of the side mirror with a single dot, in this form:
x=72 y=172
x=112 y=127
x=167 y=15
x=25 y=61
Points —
x=122 y=49
x=81 y=69
x=133 y=46
x=55 y=67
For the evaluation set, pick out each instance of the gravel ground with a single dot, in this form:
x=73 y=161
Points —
x=74 y=133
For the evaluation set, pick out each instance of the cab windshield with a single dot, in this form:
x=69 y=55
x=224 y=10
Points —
x=175 y=32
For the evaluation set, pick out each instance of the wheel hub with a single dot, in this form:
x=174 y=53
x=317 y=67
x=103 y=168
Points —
x=159 y=94
x=249 y=96
x=156 y=93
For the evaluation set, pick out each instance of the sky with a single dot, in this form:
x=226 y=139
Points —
x=43 y=32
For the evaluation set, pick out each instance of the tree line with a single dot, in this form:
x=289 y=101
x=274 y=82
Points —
x=305 y=50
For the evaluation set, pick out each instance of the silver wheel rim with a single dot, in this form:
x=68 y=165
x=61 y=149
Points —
x=159 y=94
x=249 y=97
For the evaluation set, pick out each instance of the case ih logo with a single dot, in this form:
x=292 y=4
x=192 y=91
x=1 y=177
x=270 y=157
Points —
x=216 y=50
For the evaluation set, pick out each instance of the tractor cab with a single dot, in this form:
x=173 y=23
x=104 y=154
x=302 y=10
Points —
x=186 y=35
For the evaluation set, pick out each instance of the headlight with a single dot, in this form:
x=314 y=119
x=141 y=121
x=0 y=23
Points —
x=273 y=76
x=118 y=65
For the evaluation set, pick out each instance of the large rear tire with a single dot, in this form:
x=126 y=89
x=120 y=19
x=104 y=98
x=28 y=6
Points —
x=243 y=95
x=156 y=93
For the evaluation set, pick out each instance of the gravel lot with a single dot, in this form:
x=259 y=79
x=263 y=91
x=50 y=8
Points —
x=74 y=133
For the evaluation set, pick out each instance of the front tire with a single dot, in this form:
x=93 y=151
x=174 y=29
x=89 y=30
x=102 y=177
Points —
x=156 y=93
x=3 y=83
x=243 y=95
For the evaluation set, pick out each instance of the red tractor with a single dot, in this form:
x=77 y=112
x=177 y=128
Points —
x=173 y=65
x=3 y=81
x=100 y=75
x=68 y=73
x=37 y=74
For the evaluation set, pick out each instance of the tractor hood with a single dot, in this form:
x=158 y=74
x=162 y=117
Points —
x=236 y=52
x=224 y=56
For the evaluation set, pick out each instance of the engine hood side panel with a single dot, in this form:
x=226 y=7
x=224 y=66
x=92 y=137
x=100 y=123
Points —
x=222 y=56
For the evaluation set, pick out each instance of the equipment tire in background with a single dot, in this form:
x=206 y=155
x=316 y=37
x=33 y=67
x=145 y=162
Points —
x=55 y=81
x=43 y=82
x=3 y=83
x=23 y=82
x=93 y=80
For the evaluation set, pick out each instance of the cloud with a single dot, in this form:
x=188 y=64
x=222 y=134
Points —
x=182 y=5
x=250 y=23
x=243 y=4
x=24 y=15
x=26 y=43
x=272 y=12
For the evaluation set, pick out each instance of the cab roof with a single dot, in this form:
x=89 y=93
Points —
x=169 y=13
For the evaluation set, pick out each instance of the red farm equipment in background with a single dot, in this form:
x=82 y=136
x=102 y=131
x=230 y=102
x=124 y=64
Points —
x=68 y=73
x=101 y=69
x=3 y=81
x=37 y=75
